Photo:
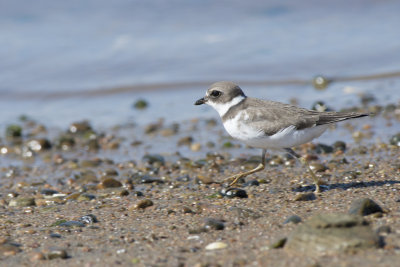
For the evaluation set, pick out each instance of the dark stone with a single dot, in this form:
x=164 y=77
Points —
x=305 y=197
x=144 y=204
x=395 y=140
x=214 y=224
x=140 y=104
x=88 y=219
x=232 y=192
x=48 y=192
x=364 y=206
x=384 y=229
x=57 y=254
x=55 y=235
x=13 y=131
x=251 y=183
x=292 y=219
x=322 y=148
x=339 y=146
x=72 y=224
x=280 y=243
x=153 y=159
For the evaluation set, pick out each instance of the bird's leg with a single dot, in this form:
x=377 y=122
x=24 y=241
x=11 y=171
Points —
x=260 y=167
x=317 y=181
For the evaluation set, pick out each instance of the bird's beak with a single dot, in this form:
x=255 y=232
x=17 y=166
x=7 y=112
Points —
x=201 y=101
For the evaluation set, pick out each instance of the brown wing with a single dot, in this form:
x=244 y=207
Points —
x=271 y=117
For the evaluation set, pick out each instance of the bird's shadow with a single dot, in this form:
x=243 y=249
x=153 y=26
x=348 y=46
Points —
x=346 y=186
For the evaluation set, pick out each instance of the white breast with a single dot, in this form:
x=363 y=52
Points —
x=286 y=138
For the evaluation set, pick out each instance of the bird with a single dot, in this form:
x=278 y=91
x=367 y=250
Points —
x=269 y=124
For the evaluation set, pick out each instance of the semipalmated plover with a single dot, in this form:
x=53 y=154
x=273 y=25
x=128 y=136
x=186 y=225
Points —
x=267 y=124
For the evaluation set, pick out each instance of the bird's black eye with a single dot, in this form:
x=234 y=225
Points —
x=215 y=93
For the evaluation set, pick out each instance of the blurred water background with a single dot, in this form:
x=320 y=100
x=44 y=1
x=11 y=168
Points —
x=64 y=61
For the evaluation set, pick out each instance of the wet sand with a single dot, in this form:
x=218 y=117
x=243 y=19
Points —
x=152 y=195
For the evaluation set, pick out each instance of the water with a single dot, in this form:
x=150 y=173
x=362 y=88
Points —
x=54 y=52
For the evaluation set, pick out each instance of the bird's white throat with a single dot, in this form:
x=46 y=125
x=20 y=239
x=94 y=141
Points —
x=222 y=108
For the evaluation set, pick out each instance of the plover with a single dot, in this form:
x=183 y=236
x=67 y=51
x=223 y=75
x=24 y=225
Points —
x=268 y=124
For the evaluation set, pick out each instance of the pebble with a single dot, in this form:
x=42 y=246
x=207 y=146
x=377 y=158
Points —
x=320 y=82
x=48 y=192
x=293 y=219
x=339 y=146
x=280 y=243
x=205 y=179
x=72 y=224
x=9 y=249
x=232 y=192
x=364 y=206
x=395 y=140
x=22 y=202
x=322 y=148
x=57 y=254
x=109 y=183
x=140 y=104
x=153 y=159
x=251 y=183
x=185 y=141
x=88 y=219
x=195 y=147
x=144 y=204
x=214 y=224
x=216 y=245
x=318 y=167
x=37 y=256
x=84 y=197
x=332 y=233
x=305 y=197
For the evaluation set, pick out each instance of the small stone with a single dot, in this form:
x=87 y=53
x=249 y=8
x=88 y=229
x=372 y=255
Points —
x=320 y=82
x=154 y=159
x=280 y=243
x=185 y=141
x=305 y=197
x=214 y=224
x=84 y=197
x=55 y=235
x=110 y=172
x=332 y=233
x=109 y=183
x=146 y=179
x=144 y=204
x=216 y=245
x=88 y=219
x=72 y=224
x=13 y=131
x=195 y=147
x=364 y=206
x=39 y=144
x=140 y=104
x=9 y=249
x=57 y=254
x=318 y=167
x=22 y=202
x=251 y=183
x=384 y=229
x=322 y=148
x=80 y=127
x=293 y=219
x=320 y=106
x=187 y=210
x=48 y=192
x=339 y=146
x=37 y=256
x=205 y=179
x=232 y=192
x=395 y=140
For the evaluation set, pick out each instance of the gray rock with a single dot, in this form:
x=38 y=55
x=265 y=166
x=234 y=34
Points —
x=332 y=233
x=22 y=202
x=364 y=206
